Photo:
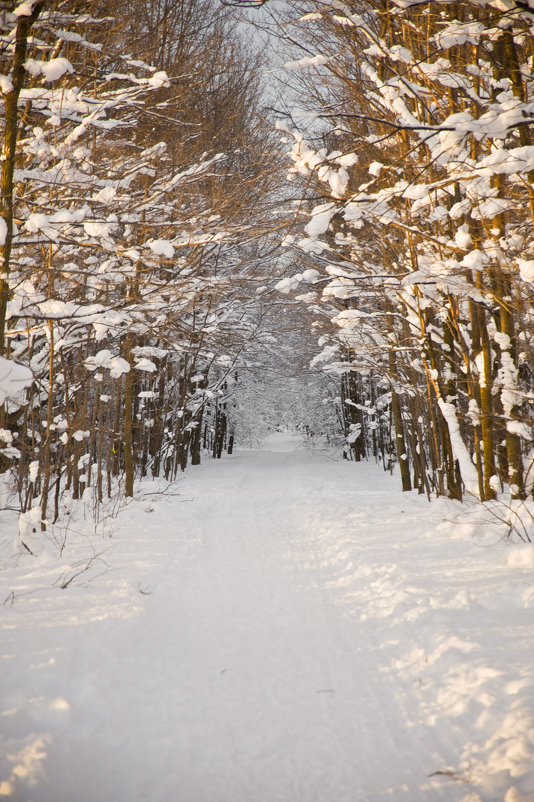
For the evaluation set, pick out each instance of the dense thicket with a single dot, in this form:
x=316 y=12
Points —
x=133 y=196
x=415 y=154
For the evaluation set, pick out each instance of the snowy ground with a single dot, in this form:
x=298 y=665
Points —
x=278 y=627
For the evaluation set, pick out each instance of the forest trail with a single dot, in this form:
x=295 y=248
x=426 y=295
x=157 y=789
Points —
x=286 y=628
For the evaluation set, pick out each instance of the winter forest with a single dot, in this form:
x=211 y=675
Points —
x=156 y=261
x=230 y=222
x=165 y=250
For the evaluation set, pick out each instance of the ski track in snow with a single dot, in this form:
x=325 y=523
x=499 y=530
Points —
x=284 y=629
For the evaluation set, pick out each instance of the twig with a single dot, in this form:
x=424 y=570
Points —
x=64 y=580
x=10 y=599
x=453 y=775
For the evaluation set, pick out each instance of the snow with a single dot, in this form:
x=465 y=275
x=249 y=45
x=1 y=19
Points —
x=277 y=626
x=51 y=70
x=526 y=269
x=145 y=364
x=14 y=378
x=6 y=84
x=491 y=207
x=399 y=53
x=458 y=33
x=507 y=376
x=374 y=50
x=105 y=359
x=54 y=308
x=320 y=219
x=25 y=9
x=307 y=61
x=375 y=167
x=99 y=230
x=475 y=259
x=288 y=284
x=347 y=159
x=502 y=340
x=106 y=195
x=6 y=436
x=37 y=221
x=343 y=21
x=467 y=469
x=161 y=247
x=462 y=237
x=159 y=79
x=520 y=429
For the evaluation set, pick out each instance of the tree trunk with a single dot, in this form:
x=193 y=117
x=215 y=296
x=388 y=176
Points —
x=8 y=159
x=400 y=440
x=127 y=437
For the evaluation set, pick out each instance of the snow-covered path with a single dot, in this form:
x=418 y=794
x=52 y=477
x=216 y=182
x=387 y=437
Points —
x=285 y=629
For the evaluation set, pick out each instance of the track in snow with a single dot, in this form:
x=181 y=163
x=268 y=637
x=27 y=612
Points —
x=263 y=637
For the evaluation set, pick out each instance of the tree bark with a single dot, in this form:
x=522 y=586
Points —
x=9 y=152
